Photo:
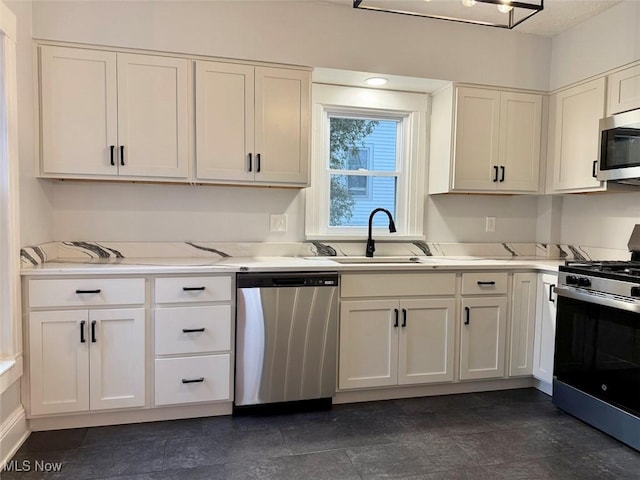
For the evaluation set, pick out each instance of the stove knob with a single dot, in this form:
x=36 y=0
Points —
x=584 y=282
x=571 y=280
x=635 y=291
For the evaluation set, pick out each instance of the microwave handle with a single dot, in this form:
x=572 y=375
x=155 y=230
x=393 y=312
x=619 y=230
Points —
x=594 y=173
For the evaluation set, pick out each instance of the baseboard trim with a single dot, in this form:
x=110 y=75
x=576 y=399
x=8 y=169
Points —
x=98 y=419
x=13 y=433
x=392 y=393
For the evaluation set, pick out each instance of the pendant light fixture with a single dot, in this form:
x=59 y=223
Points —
x=494 y=13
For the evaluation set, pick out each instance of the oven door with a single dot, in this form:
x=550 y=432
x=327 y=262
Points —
x=597 y=348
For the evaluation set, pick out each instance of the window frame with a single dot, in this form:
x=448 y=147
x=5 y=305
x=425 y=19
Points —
x=411 y=110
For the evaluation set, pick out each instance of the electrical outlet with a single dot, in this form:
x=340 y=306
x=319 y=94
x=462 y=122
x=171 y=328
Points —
x=490 y=224
x=278 y=222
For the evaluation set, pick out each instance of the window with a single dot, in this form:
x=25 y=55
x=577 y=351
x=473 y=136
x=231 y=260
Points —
x=365 y=155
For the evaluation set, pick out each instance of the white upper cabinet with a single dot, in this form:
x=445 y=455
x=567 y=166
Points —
x=252 y=124
x=623 y=90
x=106 y=114
x=485 y=140
x=574 y=116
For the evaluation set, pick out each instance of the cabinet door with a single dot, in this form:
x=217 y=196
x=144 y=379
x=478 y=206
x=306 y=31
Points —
x=624 y=90
x=368 y=343
x=282 y=125
x=545 y=333
x=426 y=342
x=224 y=121
x=477 y=136
x=78 y=111
x=59 y=361
x=520 y=124
x=574 y=116
x=523 y=316
x=117 y=358
x=482 y=337
x=153 y=99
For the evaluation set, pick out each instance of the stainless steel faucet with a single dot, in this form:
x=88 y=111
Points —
x=392 y=229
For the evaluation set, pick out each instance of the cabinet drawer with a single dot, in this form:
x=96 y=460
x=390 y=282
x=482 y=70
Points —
x=193 y=289
x=182 y=330
x=192 y=379
x=398 y=285
x=79 y=292
x=484 y=283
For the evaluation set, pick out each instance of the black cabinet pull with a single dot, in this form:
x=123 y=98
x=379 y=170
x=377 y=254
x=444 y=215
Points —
x=193 y=380
x=404 y=317
x=467 y=313
x=193 y=289
x=82 y=339
x=192 y=330
x=502 y=173
x=81 y=292
x=258 y=158
x=112 y=148
x=395 y=324
x=481 y=283
x=250 y=162
x=122 y=155
x=495 y=173
x=93 y=332
x=593 y=169
x=551 y=287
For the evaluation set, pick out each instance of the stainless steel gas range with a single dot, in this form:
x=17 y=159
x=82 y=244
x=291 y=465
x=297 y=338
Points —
x=597 y=346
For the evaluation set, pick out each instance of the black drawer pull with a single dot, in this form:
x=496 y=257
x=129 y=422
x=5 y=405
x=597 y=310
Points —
x=122 y=155
x=193 y=289
x=404 y=317
x=395 y=323
x=551 y=287
x=81 y=292
x=112 y=148
x=467 y=314
x=594 y=174
x=192 y=330
x=481 y=283
x=193 y=380
x=82 y=339
x=93 y=332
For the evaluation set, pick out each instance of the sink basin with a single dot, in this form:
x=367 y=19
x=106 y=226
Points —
x=375 y=260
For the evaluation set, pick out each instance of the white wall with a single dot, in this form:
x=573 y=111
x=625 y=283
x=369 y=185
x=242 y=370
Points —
x=313 y=34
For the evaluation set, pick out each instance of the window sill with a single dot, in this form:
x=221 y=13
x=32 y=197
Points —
x=363 y=238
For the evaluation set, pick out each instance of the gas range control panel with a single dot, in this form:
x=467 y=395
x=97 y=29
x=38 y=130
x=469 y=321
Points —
x=577 y=281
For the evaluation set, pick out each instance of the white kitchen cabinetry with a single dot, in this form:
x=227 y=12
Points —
x=485 y=140
x=545 y=331
x=193 y=339
x=85 y=359
x=483 y=325
x=396 y=341
x=106 y=114
x=523 y=315
x=623 y=90
x=572 y=154
x=252 y=124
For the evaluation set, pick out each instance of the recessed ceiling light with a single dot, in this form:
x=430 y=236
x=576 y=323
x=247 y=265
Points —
x=376 y=81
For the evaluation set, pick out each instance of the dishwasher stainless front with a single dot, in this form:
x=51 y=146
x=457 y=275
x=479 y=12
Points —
x=286 y=337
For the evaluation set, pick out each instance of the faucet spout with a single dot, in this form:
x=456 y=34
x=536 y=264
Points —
x=371 y=245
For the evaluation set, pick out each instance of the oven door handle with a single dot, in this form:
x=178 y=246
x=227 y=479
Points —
x=597 y=299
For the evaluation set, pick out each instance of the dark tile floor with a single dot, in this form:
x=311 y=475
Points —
x=516 y=434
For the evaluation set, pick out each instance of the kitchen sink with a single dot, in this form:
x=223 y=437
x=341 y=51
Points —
x=375 y=260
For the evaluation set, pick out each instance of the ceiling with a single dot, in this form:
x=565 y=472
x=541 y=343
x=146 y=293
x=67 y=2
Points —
x=558 y=15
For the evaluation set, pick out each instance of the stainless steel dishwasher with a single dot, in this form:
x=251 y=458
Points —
x=286 y=337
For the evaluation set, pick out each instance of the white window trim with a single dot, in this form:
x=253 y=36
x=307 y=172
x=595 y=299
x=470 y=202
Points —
x=413 y=108
x=10 y=309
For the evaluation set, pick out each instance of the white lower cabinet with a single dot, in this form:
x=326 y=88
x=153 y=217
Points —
x=86 y=360
x=523 y=317
x=545 y=331
x=396 y=342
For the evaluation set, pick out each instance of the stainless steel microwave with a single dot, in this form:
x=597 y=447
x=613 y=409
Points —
x=619 y=148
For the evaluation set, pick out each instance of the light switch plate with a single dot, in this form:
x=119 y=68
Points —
x=278 y=222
